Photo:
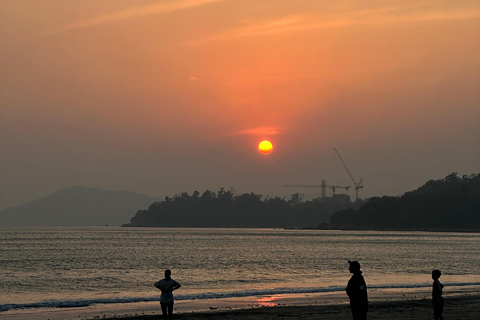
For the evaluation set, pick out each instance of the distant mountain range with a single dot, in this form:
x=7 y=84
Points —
x=77 y=206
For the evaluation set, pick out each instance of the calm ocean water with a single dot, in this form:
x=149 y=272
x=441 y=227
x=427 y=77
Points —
x=80 y=266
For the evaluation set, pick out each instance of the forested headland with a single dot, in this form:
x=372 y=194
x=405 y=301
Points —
x=226 y=209
x=449 y=204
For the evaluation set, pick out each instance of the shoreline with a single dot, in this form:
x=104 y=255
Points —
x=458 y=307
x=403 y=304
x=434 y=230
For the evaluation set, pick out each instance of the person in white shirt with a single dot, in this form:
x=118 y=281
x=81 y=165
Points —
x=167 y=286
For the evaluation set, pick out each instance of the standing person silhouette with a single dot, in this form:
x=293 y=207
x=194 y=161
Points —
x=167 y=286
x=357 y=292
x=437 y=300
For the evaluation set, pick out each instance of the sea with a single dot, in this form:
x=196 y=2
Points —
x=77 y=267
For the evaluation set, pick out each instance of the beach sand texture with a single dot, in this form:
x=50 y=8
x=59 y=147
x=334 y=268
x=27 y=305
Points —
x=458 y=308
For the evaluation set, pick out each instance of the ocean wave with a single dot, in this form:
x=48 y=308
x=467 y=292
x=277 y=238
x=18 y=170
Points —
x=76 y=303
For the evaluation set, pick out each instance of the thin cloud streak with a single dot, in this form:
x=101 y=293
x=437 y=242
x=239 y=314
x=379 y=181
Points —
x=271 y=27
x=290 y=24
x=260 y=131
x=135 y=12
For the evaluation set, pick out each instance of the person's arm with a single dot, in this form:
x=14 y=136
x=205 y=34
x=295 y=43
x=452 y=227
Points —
x=176 y=286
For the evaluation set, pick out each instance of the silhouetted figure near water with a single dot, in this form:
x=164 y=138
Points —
x=437 y=300
x=357 y=292
x=167 y=286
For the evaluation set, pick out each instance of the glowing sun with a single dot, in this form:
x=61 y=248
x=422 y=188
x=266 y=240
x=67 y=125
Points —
x=265 y=146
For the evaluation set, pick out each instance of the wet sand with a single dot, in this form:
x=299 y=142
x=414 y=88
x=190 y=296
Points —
x=458 y=307
x=461 y=303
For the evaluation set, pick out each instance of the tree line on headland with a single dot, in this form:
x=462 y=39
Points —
x=452 y=203
x=225 y=209
x=449 y=204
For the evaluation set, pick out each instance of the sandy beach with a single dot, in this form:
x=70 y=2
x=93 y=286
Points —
x=460 y=304
x=458 y=308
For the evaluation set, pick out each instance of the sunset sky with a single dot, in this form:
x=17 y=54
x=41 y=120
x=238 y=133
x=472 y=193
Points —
x=161 y=97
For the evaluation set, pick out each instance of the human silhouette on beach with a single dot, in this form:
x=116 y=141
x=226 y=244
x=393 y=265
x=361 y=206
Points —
x=437 y=300
x=167 y=285
x=357 y=292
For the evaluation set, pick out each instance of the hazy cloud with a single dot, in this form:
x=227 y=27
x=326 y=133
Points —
x=134 y=12
x=378 y=16
x=283 y=24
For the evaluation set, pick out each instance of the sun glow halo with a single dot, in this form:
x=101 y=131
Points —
x=265 y=147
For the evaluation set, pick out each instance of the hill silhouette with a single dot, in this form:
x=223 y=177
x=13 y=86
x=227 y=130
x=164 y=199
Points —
x=77 y=206
x=449 y=204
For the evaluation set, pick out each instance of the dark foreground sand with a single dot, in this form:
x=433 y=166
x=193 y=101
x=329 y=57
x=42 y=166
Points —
x=457 y=307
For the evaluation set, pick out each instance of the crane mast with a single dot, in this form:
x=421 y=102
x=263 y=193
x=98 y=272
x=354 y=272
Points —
x=358 y=185
x=323 y=187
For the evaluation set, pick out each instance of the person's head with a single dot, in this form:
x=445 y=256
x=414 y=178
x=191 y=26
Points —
x=436 y=274
x=168 y=274
x=354 y=266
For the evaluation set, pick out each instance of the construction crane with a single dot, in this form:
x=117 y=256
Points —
x=358 y=185
x=324 y=187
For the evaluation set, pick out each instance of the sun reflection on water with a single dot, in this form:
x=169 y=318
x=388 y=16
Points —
x=269 y=301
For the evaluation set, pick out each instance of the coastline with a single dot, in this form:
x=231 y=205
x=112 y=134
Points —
x=463 y=307
x=461 y=303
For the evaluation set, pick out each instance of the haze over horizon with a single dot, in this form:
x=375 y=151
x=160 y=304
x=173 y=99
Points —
x=162 y=97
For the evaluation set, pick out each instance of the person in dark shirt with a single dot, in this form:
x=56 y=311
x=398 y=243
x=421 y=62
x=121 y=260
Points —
x=437 y=300
x=357 y=292
x=167 y=285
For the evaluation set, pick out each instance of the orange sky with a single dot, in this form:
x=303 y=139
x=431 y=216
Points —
x=162 y=97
